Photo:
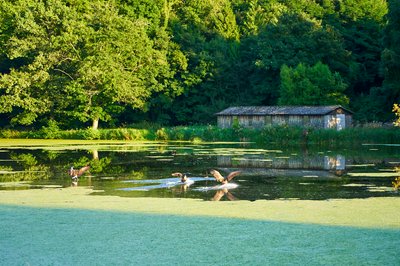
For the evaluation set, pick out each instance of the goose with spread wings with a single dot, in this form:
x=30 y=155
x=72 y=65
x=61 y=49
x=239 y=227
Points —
x=75 y=173
x=222 y=179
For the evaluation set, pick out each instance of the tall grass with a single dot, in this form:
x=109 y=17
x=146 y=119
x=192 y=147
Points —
x=283 y=135
x=355 y=135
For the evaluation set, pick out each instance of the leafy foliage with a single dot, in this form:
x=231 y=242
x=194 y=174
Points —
x=69 y=63
x=90 y=58
x=315 y=85
x=391 y=55
x=396 y=110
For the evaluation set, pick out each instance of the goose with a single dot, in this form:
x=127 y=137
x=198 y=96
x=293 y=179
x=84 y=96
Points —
x=222 y=179
x=183 y=176
x=75 y=173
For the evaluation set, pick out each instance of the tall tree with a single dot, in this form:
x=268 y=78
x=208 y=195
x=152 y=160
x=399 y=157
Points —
x=31 y=37
x=117 y=63
x=293 y=40
x=391 y=53
x=84 y=62
x=208 y=36
x=161 y=14
x=361 y=24
x=315 y=85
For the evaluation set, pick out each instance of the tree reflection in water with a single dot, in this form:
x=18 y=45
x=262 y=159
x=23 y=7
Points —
x=25 y=167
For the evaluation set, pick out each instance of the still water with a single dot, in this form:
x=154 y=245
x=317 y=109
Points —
x=134 y=169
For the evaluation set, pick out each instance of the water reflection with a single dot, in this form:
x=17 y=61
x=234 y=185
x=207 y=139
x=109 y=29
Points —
x=144 y=170
x=223 y=192
x=74 y=183
x=316 y=165
x=87 y=181
x=143 y=185
x=220 y=191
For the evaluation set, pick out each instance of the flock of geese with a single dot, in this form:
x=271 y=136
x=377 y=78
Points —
x=218 y=177
x=76 y=173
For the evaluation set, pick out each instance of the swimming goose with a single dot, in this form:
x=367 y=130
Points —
x=75 y=173
x=183 y=176
x=222 y=179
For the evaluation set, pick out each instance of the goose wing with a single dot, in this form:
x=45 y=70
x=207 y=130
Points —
x=217 y=175
x=177 y=174
x=83 y=169
x=232 y=175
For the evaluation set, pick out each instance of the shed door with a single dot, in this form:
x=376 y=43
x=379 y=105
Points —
x=340 y=121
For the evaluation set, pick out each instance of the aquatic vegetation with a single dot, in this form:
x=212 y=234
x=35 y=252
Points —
x=29 y=175
x=269 y=171
x=396 y=183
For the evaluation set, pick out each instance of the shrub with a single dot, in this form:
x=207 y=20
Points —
x=196 y=140
x=10 y=134
x=51 y=131
x=162 y=134
x=88 y=134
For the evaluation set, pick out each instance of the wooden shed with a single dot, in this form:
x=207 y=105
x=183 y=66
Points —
x=333 y=116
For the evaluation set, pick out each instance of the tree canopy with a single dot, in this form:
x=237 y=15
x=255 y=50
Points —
x=78 y=62
x=315 y=85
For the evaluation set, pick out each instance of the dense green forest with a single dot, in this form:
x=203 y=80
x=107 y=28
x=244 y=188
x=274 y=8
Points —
x=73 y=63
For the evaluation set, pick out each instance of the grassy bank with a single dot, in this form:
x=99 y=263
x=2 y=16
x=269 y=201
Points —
x=278 y=135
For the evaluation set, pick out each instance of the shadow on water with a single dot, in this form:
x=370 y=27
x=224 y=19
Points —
x=82 y=237
x=144 y=170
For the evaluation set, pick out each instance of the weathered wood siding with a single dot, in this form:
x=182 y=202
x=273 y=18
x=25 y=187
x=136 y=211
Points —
x=268 y=120
x=244 y=120
x=317 y=121
x=258 y=121
x=349 y=121
x=295 y=120
x=336 y=119
x=224 y=121
x=278 y=120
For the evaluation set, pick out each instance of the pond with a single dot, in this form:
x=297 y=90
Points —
x=133 y=169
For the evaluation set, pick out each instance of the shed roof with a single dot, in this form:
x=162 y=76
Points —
x=281 y=110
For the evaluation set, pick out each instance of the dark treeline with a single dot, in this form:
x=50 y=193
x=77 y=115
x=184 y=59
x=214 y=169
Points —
x=73 y=63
